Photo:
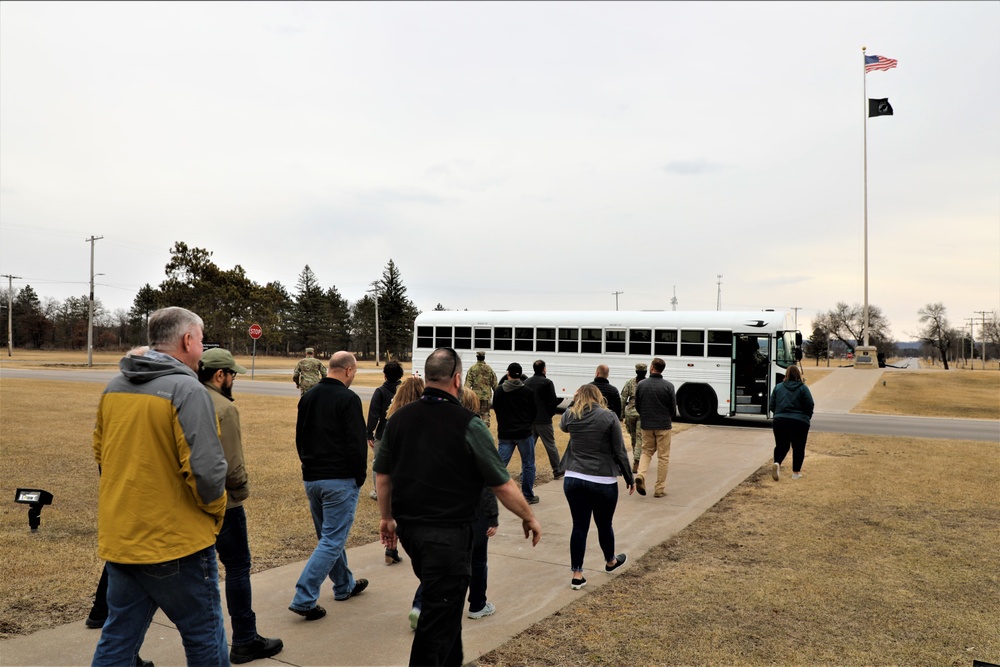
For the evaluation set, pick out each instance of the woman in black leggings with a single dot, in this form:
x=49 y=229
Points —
x=792 y=405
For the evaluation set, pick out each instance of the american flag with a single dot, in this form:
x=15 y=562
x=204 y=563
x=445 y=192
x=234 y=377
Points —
x=873 y=63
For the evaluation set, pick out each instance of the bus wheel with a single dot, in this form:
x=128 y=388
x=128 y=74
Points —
x=697 y=404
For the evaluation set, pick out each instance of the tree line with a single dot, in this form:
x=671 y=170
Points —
x=229 y=302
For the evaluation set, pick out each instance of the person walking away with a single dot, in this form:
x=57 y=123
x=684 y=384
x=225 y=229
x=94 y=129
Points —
x=631 y=416
x=514 y=405
x=792 y=405
x=483 y=528
x=482 y=380
x=217 y=370
x=546 y=403
x=162 y=497
x=593 y=460
x=308 y=372
x=609 y=391
x=432 y=465
x=411 y=390
x=331 y=441
x=378 y=406
x=656 y=403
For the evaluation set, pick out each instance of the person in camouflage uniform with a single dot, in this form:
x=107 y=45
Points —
x=308 y=372
x=482 y=380
x=631 y=415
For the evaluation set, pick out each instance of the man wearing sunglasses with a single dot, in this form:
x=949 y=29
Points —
x=433 y=462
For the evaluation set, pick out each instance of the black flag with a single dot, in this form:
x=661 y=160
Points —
x=879 y=107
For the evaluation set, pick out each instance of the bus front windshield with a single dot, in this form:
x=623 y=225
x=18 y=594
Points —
x=785 y=356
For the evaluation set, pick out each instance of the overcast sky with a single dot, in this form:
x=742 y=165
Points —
x=511 y=155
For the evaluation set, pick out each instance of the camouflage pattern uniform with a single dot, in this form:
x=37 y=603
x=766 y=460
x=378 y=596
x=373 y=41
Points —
x=308 y=372
x=631 y=416
x=482 y=380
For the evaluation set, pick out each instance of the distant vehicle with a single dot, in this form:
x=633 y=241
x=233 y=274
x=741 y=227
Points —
x=722 y=363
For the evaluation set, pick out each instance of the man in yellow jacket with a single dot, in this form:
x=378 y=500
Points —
x=162 y=496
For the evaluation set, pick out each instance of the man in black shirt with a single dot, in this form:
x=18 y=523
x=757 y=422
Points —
x=608 y=390
x=546 y=402
x=432 y=464
x=514 y=406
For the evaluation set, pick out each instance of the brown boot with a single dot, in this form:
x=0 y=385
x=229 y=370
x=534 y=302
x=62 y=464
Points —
x=635 y=467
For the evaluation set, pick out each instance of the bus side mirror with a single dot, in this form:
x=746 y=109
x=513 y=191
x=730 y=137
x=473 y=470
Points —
x=798 y=339
x=798 y=354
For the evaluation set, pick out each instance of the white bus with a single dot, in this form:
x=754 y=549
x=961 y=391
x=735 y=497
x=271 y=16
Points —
x=721 y=363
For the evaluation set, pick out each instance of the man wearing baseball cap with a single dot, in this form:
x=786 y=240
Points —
x=514 y=405
x=217 y=371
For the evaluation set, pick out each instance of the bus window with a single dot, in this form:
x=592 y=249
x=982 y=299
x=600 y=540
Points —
x=720 y=344
x=569 y=340
x=442 y=337
x=524 y=339
x=545 y=339
x=665 y=343
x=502 y=338
x=639 y=342
x=692 y=343
x=425 y=337
x=590 y=340
x=614 y=341
x=484 y=338
x=463 y=338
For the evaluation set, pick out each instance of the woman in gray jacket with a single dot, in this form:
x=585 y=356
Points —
x=792 y=405
x=593 y=460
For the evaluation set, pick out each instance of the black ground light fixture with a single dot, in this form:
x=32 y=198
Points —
x=35 y=499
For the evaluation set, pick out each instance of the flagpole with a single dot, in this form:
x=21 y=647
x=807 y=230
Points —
x=864 y=106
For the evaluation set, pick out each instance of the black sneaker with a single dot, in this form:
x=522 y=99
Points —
x=577 y=584
x=619 y=561
x=139 y=662
x=95 y=620
x=313 y=614
x=532 y=500
x=259 y=648
x=359 y=586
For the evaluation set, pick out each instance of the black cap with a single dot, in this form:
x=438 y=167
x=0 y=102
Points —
x=514 y=370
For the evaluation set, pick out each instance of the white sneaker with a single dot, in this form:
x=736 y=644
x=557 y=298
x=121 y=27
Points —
x=485 y=611
x=796 y=475
x=776 y=472
x=373 y=495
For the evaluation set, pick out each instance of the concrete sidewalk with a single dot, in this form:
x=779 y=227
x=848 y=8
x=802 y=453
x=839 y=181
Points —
x=526 y=584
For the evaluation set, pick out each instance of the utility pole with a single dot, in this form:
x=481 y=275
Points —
x=90 y=310
x=982 y=335
x=673 y=301
x=972 y=341
x=616 y=298
x=718 y=301
x=796 y=309
x=10 y=312
x=375 y=290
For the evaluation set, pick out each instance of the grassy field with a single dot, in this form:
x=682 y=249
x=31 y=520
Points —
x=885 y=553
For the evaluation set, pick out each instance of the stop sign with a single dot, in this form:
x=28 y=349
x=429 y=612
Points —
x=255 y=331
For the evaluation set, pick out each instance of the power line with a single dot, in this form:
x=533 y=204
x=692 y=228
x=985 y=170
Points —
x=616 y=298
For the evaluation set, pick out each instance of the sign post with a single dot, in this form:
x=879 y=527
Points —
x=255 y=333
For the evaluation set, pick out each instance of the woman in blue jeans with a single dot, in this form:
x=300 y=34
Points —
x=593 y=460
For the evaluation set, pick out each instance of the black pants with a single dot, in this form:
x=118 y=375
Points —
x=794 y=433
x=442 y=560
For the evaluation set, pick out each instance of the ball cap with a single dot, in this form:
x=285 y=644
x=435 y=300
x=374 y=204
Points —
x=481 y=353
x=309 y=350
x=219 y=358
x=640 y=367
x=514 y=369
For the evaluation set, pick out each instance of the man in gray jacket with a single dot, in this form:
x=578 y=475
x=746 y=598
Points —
x=656 y=403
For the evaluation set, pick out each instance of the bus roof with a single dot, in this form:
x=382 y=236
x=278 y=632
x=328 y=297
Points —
x=749 y=319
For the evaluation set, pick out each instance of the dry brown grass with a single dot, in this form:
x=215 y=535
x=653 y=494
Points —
x=886 y=553
x=958 y=394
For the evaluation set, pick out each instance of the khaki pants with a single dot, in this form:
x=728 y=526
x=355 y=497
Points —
x=657 y=442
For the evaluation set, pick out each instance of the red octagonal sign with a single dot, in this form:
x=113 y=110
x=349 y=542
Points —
x=255 y=331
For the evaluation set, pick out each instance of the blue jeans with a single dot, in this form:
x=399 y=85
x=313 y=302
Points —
x=333 y=503
x=234 y=552
x=588 y=499
x=186 y=589
x=526 y=448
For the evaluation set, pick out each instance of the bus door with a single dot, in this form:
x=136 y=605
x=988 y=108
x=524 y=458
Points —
x=750 y=374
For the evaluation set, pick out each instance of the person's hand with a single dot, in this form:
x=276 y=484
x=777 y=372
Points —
x=371 y=444
x=631 y=489
x=387 y=533
x=491 y=531
x=532 y=529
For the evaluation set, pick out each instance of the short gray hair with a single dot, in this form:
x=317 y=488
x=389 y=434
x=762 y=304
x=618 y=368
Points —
x=168 y=325
x=439 y=365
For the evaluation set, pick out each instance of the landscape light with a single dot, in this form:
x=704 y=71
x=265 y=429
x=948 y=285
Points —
x=35 y=499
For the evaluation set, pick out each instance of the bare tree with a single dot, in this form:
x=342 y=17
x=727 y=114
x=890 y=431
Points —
x=847 y=324
x=936 y=332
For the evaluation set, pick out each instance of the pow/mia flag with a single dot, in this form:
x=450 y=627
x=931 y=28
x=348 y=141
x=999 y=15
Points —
x=879 y=107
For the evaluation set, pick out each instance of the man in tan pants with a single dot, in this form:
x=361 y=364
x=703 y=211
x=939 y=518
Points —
x=656 y=403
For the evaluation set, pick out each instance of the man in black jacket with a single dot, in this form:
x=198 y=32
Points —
x=656 y=403
x=434 y=460
x=546 y=402
x=609 y=391
x=333 y=447
x=514 y=405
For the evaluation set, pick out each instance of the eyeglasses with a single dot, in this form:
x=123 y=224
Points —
x=455 y=360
